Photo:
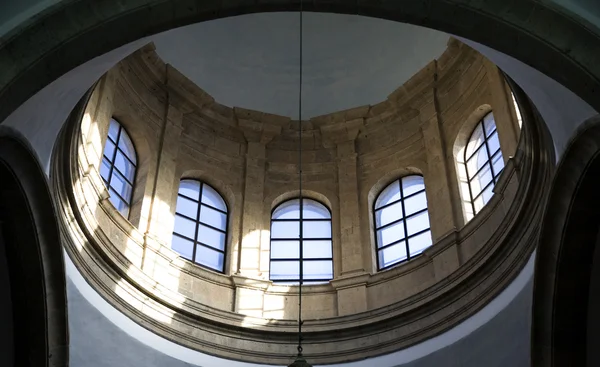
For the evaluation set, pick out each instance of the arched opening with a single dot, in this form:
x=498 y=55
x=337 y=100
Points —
x=147 y=28
x=566 y=294
x=31 y=242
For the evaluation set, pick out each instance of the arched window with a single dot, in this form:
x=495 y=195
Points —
x=401 y=221
x=484 y=162
x=118 y=167
x=200 y=225
x=301 y=240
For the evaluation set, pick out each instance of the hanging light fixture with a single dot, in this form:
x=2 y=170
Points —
x=300 y=361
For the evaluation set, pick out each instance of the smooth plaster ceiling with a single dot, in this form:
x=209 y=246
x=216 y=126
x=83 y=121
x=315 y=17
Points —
x=252 y=61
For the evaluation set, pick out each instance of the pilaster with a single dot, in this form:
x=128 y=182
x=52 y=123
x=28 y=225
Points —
x=503 y=109
x=343 y=136
x=438 y=185
x=253 y=241
x=160 y=222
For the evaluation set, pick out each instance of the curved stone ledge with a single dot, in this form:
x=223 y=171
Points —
x=145 y=279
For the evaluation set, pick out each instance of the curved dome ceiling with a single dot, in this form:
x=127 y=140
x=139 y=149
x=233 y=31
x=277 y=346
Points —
x=252 y=61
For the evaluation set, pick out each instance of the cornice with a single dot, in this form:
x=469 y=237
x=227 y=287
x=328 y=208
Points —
x=378 y=331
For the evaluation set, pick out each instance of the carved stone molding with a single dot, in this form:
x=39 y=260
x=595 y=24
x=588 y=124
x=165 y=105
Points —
x=511 y=221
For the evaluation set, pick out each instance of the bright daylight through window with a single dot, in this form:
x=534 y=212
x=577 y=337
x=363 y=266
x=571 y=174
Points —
x=401 y=221
x=118 y=167
x=313 y=249
x=200 y=225
x=484 y=162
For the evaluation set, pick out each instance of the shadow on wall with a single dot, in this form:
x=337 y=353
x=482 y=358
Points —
x=90 y=324
x=31 y=242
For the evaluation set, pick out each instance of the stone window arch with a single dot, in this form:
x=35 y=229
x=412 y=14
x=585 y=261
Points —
x=401 y=219
x=118 y=167
x=301 y=242
x=200 y=232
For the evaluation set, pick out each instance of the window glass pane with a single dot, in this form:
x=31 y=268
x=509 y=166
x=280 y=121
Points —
x=388 y=214
x=498 y=163
x=489 y=123
x=417 y=223
x=412 y=184
x=187 y=207
x=209 y=258
x=213 y=218
x=190 y=188
x=121 y=186
x=388 y=195
x=481 y=180
x=288 y=210
x=185 y=227
x=211 y=237
x=109 y=150
x=390 y=234
x=316 y=249
x=113 y=130
x=419 y=243
x=212 y=198
x=285 y=229
x=484 y=198
x=317 y=229
x=285 y=249
x=105 y=169
x=487 y=194
x=415 y=203
x=392 y=255
x=281 y=270
x=475 y=141
x=320 y=269
x=124 y=210
x=314 y=210
x=477 y=161
x=121 y=206
x=182 y=246
x=126 y=146
x=493 y=143
x=124 y=166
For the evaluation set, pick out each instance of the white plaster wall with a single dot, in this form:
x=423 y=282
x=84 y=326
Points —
x=253 y=61
x=496 y=336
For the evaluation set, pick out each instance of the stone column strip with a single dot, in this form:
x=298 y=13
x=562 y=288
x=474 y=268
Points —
x=259 y=130
x=343 y=135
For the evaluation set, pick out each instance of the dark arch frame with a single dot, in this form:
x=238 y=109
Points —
x=34 y=256
x=565 y=260
x=31 y=57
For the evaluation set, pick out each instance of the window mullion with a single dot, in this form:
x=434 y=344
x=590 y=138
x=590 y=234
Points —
x=198 y=220
x=467 y=168
x=478 y=148
x=114 y=155
x=404 y=217
x=301 y=238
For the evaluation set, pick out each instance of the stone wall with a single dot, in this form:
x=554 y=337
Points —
x=251 y=158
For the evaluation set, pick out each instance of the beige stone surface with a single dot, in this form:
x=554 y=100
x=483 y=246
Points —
x=251 y=159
